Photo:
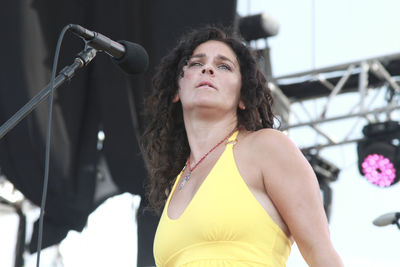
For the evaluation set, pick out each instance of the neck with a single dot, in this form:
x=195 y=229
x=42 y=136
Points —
x=204 y=134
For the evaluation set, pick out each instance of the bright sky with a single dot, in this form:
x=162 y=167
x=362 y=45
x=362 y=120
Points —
x=344 y=31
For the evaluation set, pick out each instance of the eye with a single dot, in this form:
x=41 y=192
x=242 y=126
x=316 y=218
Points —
x=224 y=67
x=195 y=64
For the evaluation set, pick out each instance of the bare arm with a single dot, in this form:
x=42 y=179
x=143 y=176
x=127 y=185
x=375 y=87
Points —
x=293 y=188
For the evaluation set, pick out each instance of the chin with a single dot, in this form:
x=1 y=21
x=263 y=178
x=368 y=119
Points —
x=205 y=100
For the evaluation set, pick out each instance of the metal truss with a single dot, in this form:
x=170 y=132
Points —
x=373 y=84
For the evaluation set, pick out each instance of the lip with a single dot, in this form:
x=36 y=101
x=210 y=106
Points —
x=206 y=83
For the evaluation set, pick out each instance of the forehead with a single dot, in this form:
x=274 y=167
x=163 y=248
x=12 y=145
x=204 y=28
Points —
x=214 y=48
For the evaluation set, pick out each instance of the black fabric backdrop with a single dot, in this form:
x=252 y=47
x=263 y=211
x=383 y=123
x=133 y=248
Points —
x=99 y=97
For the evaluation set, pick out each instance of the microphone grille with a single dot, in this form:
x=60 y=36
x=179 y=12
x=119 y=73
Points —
x=135 y=59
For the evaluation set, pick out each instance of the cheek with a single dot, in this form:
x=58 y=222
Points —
x=184 y=81
x=180 y=83
x=183 y=86
x=236 y=85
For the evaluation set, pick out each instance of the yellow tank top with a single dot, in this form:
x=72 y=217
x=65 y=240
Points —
x=223 y=225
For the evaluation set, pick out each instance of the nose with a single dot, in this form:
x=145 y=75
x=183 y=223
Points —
x=207 y=70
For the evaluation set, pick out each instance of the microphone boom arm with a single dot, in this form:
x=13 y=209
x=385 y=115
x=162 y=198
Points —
x=82 y=59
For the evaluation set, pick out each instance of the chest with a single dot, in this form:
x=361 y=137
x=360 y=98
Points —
x=233 y=163
x=222 y=209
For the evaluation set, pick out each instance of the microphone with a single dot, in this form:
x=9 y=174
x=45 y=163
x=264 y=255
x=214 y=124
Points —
x=130 y=57
x=387 y=219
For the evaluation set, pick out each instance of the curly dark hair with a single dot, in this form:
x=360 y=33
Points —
x=164 y=142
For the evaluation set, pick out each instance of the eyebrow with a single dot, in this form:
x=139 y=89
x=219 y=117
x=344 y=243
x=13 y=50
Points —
x=202 y=55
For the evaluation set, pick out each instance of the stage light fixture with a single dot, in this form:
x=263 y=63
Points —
x=378 y=153
x=258 y=26
x=324 y=170
x=326 y=173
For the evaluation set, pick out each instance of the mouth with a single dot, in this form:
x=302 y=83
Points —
x=206 y=84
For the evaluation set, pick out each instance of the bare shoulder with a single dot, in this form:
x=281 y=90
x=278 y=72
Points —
x=275 y=154
x=270 y=141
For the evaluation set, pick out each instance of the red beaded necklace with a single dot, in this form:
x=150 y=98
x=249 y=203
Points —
x=187 y=176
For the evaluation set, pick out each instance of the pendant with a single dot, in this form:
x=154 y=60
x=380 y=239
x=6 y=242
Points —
x=185 y=179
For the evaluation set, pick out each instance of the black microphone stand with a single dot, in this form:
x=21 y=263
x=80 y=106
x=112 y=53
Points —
x=81 y=60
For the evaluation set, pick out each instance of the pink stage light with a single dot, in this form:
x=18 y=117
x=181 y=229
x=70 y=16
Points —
x=378 y=170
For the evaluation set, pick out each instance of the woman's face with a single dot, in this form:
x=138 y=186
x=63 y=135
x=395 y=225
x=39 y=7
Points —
x=211 y=79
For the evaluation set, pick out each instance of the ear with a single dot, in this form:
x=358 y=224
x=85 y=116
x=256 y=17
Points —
x=175 y=99
x=241 y=105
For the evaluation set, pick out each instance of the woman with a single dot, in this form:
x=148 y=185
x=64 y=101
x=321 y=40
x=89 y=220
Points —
x=236 y=191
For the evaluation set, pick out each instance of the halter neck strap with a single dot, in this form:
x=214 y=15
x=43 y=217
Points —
x=233 y=139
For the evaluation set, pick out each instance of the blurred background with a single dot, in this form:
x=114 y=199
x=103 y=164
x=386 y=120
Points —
x=333 y=67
